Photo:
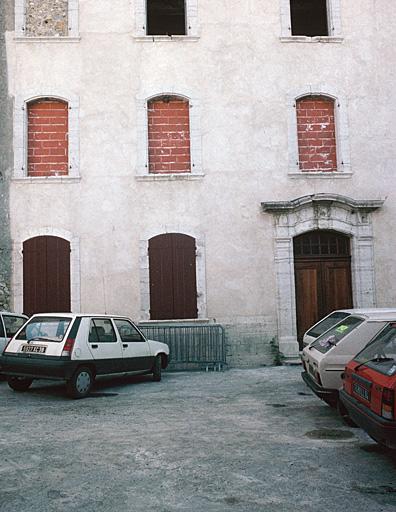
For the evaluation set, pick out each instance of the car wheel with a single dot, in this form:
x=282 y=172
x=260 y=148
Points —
x=342 y=411
x=80 y=384
x=19 y=383
x=157 y=369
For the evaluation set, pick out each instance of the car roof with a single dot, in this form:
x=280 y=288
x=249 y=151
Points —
x=363 y=311
x=379 y=315
x=13 y=314
x=74 y=315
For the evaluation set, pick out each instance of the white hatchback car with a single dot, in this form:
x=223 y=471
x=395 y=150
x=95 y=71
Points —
x=324 y=360
x=78 y=347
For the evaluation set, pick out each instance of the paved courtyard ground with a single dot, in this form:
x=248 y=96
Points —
x=240 y=440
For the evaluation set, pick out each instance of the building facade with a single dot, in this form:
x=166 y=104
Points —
x=228 y=162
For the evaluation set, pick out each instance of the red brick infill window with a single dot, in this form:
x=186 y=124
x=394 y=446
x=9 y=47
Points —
x=169 y=135
x=47 y=138
x=316 y=134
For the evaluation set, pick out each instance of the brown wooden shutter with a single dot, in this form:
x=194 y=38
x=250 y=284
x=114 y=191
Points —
x=173 y=289
x=46 y=275
x=307 y=278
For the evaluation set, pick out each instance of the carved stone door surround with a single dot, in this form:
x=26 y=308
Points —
x=326 y=212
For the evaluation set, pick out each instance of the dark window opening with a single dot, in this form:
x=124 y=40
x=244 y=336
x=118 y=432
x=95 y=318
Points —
x=166 y=17
x=309 y=18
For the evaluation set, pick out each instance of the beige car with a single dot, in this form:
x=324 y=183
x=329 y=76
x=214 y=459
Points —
x=324 y=360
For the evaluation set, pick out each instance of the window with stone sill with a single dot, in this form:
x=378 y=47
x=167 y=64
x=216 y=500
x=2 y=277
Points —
x=318 y=134
x=160 y=250
x=317 y=147
x=47 y=141
x=169 y=137
x=166 y=20
x=46 y=19
x=311 y=20
x=172 y=274
x=46 y=137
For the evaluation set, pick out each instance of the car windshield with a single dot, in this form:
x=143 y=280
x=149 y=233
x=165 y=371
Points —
x=330 y=338
x=45 y=328
x=326 y=323
x=380 y=353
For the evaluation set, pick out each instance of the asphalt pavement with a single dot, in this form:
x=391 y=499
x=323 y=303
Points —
x=239 y=440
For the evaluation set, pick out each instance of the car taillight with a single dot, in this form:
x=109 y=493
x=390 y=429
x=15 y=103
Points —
x=67 y=349
x=388 y=403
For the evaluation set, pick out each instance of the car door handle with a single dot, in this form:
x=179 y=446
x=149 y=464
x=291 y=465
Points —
x=94 y=346
x=125 y=345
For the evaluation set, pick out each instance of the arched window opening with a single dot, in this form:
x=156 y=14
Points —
x=169 y=135
x=172 y=271
x=316 y=134
x=48 y=127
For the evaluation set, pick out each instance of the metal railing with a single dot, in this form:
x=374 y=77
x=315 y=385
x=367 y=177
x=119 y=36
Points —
x=191 y=346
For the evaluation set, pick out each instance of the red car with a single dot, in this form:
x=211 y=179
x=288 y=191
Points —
x=369 y=389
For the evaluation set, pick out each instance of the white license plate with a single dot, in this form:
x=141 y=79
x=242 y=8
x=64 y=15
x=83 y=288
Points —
x=34 y=349
x=361 y=391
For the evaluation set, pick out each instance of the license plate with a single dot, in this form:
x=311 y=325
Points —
x=34 y=349
x=361 y=391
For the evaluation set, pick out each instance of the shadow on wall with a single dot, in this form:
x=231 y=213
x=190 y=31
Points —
x=6 y=159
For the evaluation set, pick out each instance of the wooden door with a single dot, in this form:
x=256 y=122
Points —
x=46 y=275
x=173 y=289
x=322 y=266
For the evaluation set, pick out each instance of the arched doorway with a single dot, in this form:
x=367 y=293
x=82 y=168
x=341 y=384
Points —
x=172 y=272
x=46 y=275
x=325 y=212
x=322 y=269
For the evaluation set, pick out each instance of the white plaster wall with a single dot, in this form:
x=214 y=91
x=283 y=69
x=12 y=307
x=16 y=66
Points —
x=242 y=75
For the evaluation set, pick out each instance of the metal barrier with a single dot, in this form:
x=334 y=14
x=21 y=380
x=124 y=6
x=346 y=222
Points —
x=191 y=346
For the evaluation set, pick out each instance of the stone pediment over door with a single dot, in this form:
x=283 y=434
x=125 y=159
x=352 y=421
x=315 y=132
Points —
x=320 y=212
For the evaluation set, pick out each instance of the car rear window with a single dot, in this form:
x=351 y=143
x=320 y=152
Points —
x=12 y=324
x=327 y=322
x=48 y=328
x=333 y=336
x=380 y=353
